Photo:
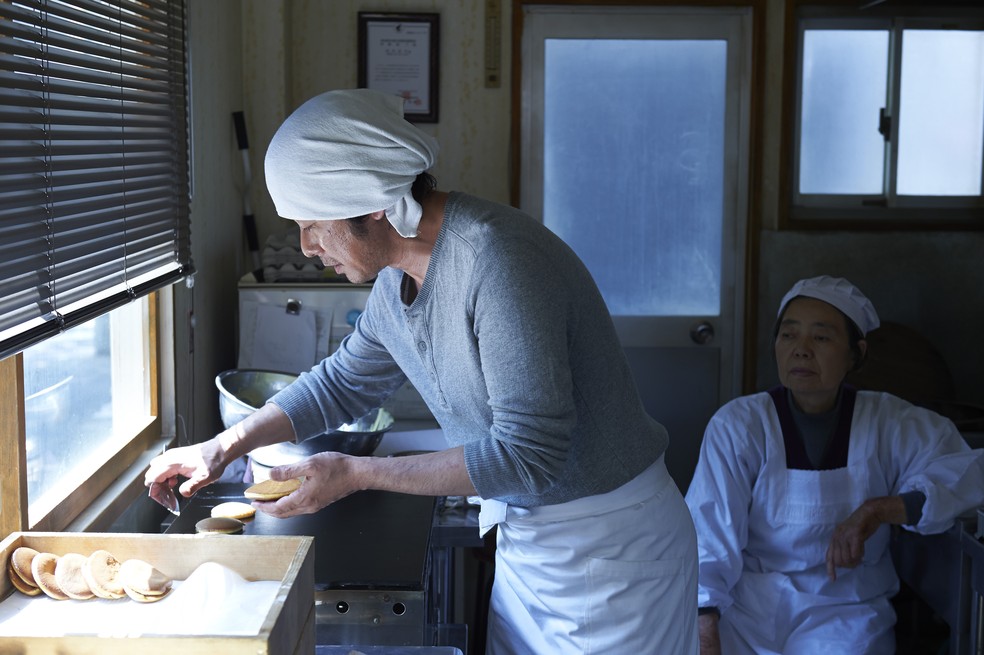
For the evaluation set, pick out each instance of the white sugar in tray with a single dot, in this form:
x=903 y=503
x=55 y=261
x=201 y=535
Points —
x=213 y=600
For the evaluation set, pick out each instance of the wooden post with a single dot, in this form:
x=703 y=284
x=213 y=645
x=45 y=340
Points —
x=13 y=450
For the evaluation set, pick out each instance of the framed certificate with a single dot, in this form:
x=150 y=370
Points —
x=398 y=54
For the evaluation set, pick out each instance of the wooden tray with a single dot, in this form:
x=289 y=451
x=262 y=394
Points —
x=288 y=627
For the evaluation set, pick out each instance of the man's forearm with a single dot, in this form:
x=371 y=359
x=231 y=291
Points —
x=442 y=473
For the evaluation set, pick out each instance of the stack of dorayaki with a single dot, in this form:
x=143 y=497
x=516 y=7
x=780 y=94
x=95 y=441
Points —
x=75 y=576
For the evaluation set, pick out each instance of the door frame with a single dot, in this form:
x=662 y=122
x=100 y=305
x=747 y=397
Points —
x=741 y=297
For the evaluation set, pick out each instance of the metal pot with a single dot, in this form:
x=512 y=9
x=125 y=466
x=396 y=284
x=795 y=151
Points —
x=243 y=391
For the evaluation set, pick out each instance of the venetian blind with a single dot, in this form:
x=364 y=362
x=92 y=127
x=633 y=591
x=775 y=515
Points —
x=93 y=160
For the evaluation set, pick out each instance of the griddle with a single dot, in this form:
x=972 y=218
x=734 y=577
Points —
x=368 y=540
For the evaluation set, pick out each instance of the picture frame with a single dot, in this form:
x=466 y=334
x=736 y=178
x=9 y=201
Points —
x=398 y=54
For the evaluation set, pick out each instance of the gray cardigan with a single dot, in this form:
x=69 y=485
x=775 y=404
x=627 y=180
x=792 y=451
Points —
x=512 y=348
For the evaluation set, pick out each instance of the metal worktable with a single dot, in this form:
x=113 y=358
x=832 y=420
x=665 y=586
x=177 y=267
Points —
x=973 y=553
x=938 y=568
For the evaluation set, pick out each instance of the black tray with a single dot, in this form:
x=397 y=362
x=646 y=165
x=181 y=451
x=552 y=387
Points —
x=369 y=540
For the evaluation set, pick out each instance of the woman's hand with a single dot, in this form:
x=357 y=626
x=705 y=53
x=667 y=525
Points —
x=707 y=629
x=846 y=548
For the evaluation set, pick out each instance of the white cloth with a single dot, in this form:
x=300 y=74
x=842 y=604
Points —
x=344 y=154
x=841 y=294
x=613 y=573
x=763 y=530
x=214 y=600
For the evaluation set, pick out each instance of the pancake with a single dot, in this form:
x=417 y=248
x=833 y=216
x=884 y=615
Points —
x=272 y=489
x=142 y=582
x=18 y=583
x=102 y=573
x=219 y=525
x=43 y=570
x=144 y=598
x=68 y=575
x=20 y=562
x=233 y=510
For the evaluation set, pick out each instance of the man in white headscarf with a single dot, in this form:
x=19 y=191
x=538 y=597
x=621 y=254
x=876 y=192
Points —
x=796 y=488
x=503 y=332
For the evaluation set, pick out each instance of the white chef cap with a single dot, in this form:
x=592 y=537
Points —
x=841 y=294
x=348 y=153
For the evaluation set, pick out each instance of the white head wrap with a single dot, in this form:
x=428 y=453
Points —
x=841 y=294
x=348 y=153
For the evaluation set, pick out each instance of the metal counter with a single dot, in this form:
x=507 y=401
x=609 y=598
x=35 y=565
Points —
x=388 y=650
x=973 y=551
x=938 y=568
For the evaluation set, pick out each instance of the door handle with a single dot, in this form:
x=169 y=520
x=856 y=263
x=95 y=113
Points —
x=702 y=333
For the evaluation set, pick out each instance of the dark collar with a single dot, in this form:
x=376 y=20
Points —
x=835 y=456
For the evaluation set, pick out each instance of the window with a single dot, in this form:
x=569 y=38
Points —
x=87 y=392
x=93 y=216
x=889 y=117
x=681 y=83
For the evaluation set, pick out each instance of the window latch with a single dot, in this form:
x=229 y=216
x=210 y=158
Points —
x=885 y=124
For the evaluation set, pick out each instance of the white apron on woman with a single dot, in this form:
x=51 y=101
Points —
x=613 y=573
x=764 y=528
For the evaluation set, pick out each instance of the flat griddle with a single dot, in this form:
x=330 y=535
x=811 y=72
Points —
x=369 y=540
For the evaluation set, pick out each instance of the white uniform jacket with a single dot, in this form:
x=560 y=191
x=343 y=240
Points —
x=764 y=523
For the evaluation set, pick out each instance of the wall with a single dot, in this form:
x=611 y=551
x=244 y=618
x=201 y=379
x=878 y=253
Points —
x=296 y=49
x=928 y=281
x=203 y=351
x=267 y=56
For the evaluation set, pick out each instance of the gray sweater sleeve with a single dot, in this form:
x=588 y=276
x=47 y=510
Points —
x=512 y=348
x=350 y=383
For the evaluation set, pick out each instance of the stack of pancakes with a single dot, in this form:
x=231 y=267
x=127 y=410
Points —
x=75 y=576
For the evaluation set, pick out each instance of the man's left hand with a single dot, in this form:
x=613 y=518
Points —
x=325 y=481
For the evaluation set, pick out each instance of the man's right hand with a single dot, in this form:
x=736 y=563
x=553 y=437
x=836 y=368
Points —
x=201 y=463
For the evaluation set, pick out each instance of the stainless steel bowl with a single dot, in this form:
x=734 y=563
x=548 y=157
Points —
x=243 y=391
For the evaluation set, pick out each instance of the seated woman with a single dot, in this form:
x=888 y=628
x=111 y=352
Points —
x=796 y=488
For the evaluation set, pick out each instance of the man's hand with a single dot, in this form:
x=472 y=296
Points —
x=327 y=479
x=201 y=463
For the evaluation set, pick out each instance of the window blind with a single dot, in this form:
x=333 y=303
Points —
x=93 y=160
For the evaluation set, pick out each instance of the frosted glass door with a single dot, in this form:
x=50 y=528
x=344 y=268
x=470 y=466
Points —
x=634 y=151
x=633 y=134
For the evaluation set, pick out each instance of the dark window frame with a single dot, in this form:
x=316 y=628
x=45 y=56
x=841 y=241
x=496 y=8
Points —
x=853 y=212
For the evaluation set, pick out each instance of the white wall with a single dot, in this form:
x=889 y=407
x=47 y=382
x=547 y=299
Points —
x=296 y=49
x=215 y=67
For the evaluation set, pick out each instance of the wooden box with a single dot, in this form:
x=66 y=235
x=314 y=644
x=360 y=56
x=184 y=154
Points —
x=287 y=629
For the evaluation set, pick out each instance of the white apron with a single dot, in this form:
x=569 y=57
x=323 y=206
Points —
x=612 y=573
x=764 y=527
x=788 y=614
x=793 y=515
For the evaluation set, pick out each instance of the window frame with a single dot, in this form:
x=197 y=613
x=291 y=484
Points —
x=886 y=211
x=109 y=489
